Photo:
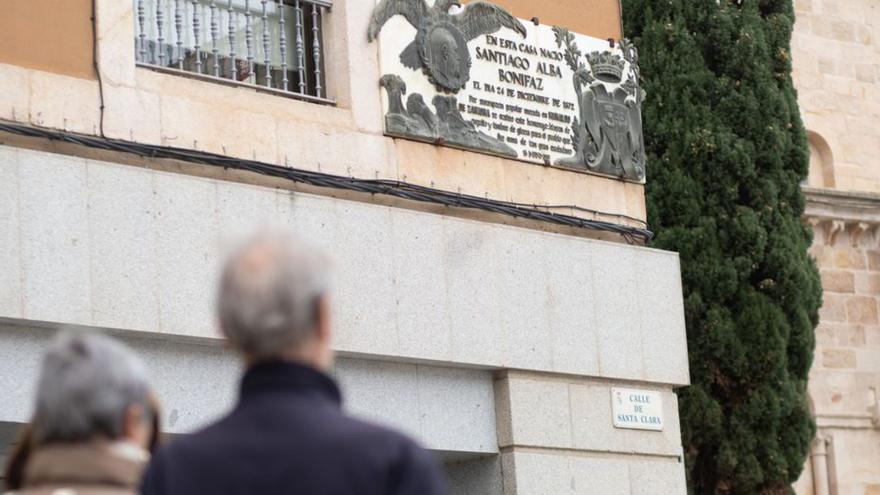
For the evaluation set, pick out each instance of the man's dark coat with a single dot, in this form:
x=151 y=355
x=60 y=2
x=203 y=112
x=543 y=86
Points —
x=288 y=435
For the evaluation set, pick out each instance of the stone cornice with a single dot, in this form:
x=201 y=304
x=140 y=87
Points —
x=852 y=422
x=832 y=212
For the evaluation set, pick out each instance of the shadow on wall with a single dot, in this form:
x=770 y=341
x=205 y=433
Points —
x=473 y=475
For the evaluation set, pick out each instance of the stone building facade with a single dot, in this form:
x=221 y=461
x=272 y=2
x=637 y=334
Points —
x=836 y=52
x=494 y=335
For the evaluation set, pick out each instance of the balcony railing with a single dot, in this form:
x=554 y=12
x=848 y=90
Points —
x=274 y=45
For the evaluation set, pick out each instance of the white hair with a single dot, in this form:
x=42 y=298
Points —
x=86 y=384
x=269 y=295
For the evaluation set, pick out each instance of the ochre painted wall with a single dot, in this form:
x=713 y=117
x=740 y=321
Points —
x=597 y=18
x=49 y=35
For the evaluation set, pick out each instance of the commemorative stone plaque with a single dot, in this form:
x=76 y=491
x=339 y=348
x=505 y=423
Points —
x=477 y=78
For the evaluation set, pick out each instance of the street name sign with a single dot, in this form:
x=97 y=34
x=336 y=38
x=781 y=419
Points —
x=637 y=409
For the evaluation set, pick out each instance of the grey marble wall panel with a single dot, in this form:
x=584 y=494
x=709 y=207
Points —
x=196 y=383
x=545 y=412
x=568 y=473
x=115 y=246
x=55 y=252
x=449 y=409
x=444 y=409
x=592 y=429
x=657 y=477
x=129 y=297
x=10 y=242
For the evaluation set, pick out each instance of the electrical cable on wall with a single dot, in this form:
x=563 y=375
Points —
x=393 y=188
x=97 y=67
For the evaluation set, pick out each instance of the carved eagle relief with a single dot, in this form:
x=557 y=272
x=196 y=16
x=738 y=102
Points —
x=440 y=47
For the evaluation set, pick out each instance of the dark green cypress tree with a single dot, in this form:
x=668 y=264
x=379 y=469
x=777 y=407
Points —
x=727 y=152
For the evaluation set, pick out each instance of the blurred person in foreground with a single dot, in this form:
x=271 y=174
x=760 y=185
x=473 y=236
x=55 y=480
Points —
x=288 y=433
x=93 y=422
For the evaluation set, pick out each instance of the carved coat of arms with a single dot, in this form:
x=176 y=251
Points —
x=607 y=137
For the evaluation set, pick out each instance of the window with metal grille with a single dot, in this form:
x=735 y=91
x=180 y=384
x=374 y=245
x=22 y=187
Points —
x=274 y=45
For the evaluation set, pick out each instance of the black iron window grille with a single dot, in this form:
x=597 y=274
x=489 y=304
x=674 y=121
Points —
x=274 y=45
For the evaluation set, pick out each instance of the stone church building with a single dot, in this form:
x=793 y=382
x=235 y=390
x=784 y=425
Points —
x=836 y=54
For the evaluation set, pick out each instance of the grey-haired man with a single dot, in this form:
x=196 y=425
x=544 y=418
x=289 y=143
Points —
x=287 y=435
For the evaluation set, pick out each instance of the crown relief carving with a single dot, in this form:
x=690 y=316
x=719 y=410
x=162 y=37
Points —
x=607 y=66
